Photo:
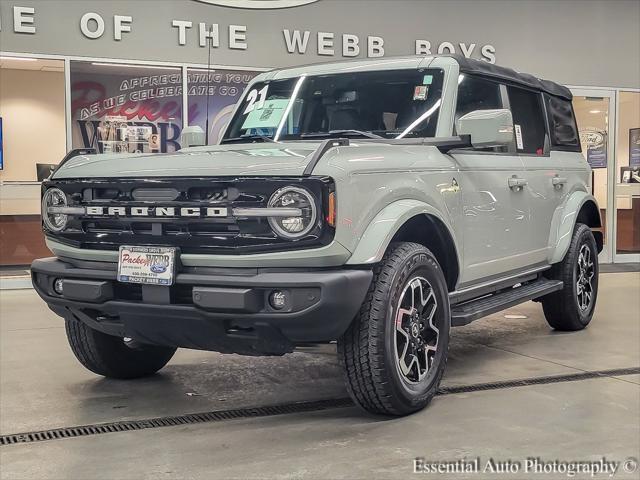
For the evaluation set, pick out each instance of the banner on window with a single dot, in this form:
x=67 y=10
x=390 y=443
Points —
x=130 y=108
x=594 y=142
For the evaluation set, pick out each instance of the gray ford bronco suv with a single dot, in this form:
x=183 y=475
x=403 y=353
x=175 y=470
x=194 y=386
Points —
x=372 y=203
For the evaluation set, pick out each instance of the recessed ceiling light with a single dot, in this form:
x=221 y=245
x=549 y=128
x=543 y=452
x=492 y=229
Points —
x=20 y=59
x=595 y=111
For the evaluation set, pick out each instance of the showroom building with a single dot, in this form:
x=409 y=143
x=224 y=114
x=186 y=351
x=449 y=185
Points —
x=77 y=74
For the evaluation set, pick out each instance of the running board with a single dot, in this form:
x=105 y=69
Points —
x=467 y=312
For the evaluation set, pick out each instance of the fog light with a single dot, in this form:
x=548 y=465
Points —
x=58 y=286
x=278 y=299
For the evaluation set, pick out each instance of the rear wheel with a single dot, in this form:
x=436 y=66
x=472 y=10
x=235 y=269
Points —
x=572 y=307
x=113 y=356
x=395 y=351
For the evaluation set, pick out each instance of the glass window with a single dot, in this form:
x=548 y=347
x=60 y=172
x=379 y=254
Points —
x=32 y=125
x=32 y=142
x=390 y=104
x=592 y=117
x=215 y=92
x=562 y=124
x=628 y=174
x=126 y=108
x=476 y=93
x=528 y=120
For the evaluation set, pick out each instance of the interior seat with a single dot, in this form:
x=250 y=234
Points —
x=345 y=119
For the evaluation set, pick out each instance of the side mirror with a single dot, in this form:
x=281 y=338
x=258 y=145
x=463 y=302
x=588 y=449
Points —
x=488 y=128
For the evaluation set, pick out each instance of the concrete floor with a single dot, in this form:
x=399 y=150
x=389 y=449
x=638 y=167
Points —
x=42 y=386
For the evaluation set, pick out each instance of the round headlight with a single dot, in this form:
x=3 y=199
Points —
x=54 y=197
x=293 y=227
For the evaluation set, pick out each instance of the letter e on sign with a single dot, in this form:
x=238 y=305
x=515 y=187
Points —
x=23 y=19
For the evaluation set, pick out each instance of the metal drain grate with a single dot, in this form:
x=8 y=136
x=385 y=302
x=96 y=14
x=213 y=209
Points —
x=188 y=419
x=571 y=377
x=217 y=416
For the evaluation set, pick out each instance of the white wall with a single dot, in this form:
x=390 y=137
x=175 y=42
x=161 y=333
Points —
x=32 y=111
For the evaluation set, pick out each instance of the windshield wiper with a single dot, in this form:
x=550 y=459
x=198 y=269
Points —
x=340 y=132
x=248 y=138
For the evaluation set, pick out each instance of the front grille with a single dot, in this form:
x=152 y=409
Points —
x=198 y=234
x=146 y=228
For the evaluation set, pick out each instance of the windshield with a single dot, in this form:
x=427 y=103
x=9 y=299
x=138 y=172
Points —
x=388 y=104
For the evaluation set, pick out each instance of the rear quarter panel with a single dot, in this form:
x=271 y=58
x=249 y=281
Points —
x=577 y=192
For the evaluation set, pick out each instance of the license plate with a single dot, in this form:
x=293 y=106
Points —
x=149 y=265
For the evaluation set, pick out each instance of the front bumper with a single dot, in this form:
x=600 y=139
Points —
x=225 y=310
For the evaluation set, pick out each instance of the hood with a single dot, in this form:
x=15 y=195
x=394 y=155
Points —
x=266 y=159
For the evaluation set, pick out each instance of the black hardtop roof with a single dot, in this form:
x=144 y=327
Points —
x=479 y=67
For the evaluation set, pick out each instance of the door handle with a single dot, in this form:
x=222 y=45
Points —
x=516 y=183
x=558 y=181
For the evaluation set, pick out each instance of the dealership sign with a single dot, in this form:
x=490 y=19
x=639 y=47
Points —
x=189 y=32
x=258 y=4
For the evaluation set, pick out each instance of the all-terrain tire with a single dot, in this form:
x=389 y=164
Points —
x=368 y=351
x=562 y=309
x=110 y=356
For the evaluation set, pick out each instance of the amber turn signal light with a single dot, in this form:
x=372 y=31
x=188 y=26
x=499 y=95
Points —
x=331 y=214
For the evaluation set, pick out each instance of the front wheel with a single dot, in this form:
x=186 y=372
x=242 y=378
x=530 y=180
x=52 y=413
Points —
x=114 y=357
x=395 y=351
x=572 y=307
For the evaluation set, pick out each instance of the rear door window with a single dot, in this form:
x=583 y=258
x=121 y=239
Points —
x=528 y=120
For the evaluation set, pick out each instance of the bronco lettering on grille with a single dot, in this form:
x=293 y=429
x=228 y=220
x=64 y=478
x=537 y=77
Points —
x=157 y=211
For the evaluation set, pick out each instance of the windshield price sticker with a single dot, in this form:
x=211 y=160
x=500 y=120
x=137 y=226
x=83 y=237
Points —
x=268 y=116
x=254 y=96
x=148 y=265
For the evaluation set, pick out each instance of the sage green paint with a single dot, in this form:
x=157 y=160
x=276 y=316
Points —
x=487 y=128
x=332 y=255
x=385 y=225
x=563 y=224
